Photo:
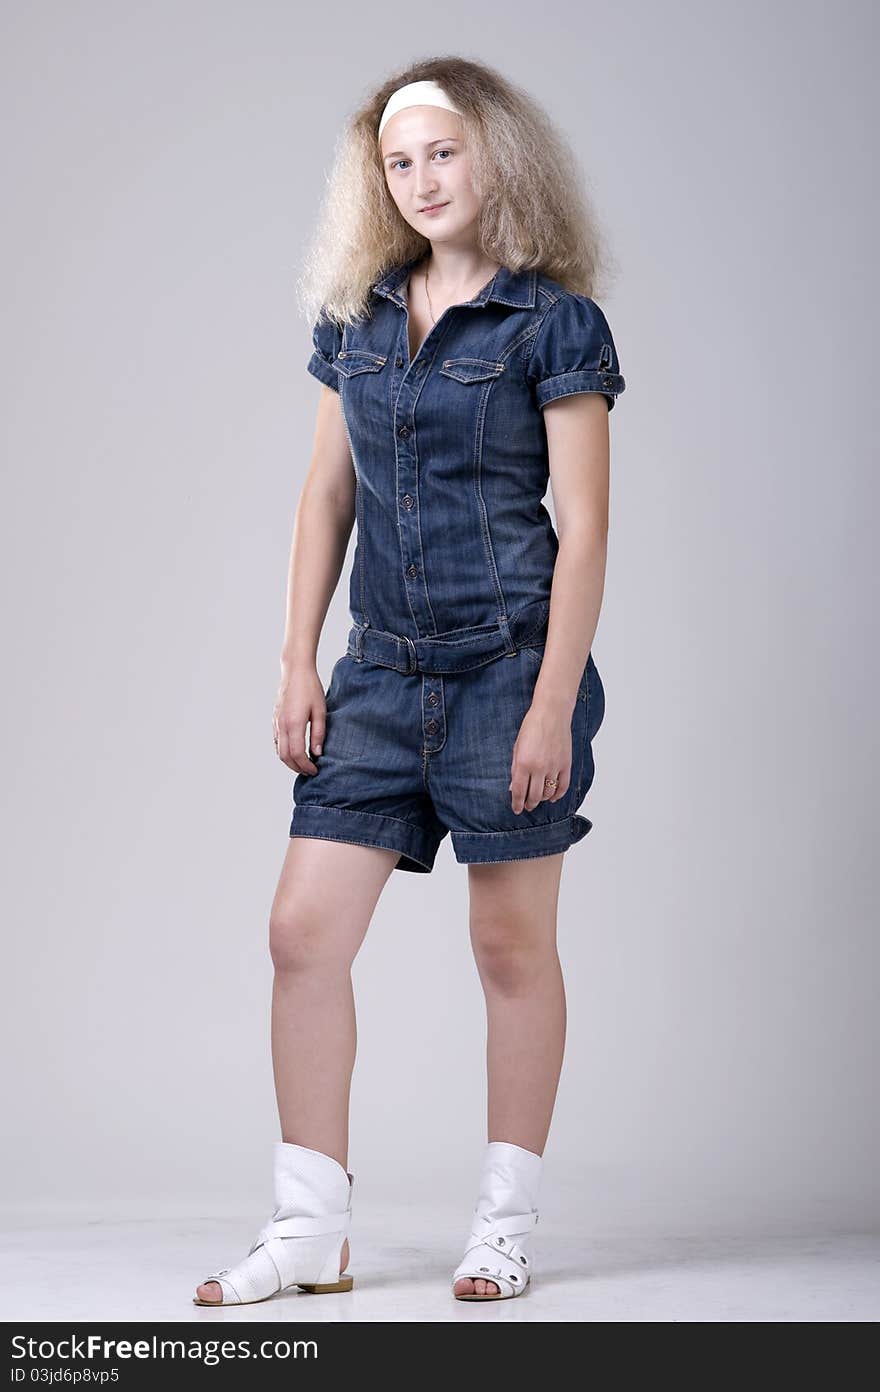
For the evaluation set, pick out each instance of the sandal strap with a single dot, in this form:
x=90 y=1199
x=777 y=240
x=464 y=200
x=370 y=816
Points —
x=492 y=1256
x=499 y=1249
x=483 y=1228
x=507 y=1267
x=303 y=1227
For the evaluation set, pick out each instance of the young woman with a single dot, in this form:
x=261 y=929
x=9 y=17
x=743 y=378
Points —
x=464 y=364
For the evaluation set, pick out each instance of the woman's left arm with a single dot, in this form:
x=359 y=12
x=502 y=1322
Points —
x=578 y=443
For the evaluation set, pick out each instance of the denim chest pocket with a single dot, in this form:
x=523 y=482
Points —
x=351 y=361
x=470 y=369
x=365 y=389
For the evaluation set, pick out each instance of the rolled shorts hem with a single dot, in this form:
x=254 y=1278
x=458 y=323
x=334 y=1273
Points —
x=366 y=829
x=492 y=847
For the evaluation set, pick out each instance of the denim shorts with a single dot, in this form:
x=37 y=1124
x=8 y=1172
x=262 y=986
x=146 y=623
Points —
x=410 y=755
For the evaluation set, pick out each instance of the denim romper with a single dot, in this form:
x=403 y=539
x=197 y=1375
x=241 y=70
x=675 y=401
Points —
x=449 y=593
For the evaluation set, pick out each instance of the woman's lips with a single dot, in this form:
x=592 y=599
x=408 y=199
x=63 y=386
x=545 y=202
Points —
x=433 y=208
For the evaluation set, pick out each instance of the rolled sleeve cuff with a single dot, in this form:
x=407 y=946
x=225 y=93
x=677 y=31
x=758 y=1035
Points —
x=320 y=368
x=611 y=384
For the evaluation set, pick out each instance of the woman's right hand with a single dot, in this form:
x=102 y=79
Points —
x=300 y=702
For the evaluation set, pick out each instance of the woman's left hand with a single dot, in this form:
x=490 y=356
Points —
x=542 y=751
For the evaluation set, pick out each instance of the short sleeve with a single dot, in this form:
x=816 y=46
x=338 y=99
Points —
x=326 y=341
x=574 y=352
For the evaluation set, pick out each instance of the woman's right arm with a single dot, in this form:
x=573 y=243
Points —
x=322 y=528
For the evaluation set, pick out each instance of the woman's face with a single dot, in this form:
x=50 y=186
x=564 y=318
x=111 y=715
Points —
x=425 y=163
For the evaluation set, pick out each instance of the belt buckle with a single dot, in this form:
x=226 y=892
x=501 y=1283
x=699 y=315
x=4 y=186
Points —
x=412 y=656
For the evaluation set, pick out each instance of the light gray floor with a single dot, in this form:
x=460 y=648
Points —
x=82 y=1267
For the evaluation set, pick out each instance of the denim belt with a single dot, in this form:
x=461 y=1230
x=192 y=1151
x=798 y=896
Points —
x=461 y=654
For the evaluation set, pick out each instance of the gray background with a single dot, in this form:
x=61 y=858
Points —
x=161 y=173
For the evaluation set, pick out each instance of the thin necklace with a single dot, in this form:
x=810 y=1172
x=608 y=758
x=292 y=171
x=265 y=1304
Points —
x=428 y=296
x=430 y=306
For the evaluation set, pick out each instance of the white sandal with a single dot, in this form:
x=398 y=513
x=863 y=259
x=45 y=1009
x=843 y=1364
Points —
x=302 y=1244
x=503 y=1222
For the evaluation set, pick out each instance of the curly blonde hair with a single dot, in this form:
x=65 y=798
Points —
x=535 y=212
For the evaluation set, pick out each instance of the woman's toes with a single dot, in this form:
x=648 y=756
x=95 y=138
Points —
x=465 y=1286
x=211 y=1290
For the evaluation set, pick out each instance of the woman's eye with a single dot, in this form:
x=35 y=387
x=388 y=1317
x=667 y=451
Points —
x=398 y=164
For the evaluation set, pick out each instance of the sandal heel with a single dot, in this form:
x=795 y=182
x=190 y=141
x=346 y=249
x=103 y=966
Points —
x=344 y=1283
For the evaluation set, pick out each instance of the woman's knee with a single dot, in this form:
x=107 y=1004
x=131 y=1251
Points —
x=302 y=940
x=507 y=955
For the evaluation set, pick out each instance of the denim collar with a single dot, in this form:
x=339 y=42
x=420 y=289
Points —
x=515 y=288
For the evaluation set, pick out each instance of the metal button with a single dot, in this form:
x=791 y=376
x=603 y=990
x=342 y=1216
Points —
x=431 y=726
x=433 y=698
x=398 y=362
x=412 y=570
x=407 y=500
x=403 y=431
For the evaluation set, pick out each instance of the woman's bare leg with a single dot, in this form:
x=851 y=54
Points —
x=513 y=906
x=323 y=905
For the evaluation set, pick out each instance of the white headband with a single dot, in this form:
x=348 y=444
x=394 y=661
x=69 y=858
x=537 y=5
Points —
x=427 y=93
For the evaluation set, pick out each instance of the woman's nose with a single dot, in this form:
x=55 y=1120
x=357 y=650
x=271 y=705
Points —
x=426 y=183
